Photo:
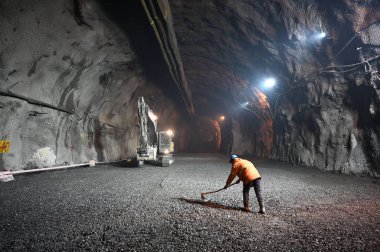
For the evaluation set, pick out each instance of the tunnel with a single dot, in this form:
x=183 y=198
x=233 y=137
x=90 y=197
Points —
x=291 y=86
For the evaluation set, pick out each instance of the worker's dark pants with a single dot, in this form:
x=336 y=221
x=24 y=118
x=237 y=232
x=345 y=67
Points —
x=256 y=184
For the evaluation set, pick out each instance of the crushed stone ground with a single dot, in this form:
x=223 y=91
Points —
x=115 y=208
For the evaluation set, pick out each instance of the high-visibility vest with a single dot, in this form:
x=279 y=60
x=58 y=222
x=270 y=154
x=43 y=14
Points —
x=245 y=170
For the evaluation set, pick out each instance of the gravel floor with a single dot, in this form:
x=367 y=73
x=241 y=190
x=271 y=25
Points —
x=160 y=209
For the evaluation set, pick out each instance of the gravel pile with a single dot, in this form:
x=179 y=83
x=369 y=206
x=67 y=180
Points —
x=160 y=209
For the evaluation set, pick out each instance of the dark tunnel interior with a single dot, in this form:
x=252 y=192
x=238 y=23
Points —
x=189 y=125
x=294 y=81
x=201 y=134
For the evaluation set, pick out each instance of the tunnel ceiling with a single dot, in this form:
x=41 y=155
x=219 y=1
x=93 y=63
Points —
x=228 y=48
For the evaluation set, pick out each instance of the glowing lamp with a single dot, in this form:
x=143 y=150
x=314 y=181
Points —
x=170 y=132
x=318 y=36
x=321 y=35
x=269 y=83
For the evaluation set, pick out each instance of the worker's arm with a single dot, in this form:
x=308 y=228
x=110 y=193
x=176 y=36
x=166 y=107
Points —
x=229 y=180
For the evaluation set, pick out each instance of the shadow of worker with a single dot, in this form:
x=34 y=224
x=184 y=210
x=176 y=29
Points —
x=210 y=204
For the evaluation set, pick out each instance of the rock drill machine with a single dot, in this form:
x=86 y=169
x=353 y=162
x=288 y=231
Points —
x=153 y=146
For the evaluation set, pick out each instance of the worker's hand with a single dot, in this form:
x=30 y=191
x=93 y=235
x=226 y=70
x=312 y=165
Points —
x=225 y=187
x=237 y=181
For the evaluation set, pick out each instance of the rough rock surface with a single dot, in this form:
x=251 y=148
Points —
x=159 y=209
x=42 y=158
x=322 y=100
x=90 y=70
x=334 y=125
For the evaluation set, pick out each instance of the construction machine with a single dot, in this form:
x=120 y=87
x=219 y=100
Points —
x=153 y=146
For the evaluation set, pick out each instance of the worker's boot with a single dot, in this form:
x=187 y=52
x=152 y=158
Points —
x=261 y=204
x=246 y=203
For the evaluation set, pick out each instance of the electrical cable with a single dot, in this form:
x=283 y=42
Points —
x=174 y=63
x=33 y=101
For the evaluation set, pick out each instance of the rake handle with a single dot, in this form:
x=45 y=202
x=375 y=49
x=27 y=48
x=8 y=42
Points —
x=217 y=190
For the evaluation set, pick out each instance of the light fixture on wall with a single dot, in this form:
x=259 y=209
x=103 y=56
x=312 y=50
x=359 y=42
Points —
x=322 y=35
x=269 y=83
x=170 y=132
x=317 y=36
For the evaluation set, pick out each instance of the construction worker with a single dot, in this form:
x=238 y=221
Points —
x=247 y=173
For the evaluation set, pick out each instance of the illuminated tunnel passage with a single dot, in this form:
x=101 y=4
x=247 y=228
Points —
x=160 y=209
x=294 y=86
x=203 y=135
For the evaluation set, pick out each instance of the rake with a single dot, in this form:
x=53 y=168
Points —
x=204 y=193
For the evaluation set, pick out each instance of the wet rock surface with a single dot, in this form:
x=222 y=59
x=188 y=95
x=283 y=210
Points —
x=159 y=209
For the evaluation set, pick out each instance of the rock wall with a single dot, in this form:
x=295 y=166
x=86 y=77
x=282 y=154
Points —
x=90 y=69
x=319 y=113
x=242 y=141
x=331 y=119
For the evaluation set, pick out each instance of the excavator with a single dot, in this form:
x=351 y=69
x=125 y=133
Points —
x=153 y=146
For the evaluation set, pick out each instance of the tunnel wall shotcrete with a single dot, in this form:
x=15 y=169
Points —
x=89 y=69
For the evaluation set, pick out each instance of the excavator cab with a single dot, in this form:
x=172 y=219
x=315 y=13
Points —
x=165 y=147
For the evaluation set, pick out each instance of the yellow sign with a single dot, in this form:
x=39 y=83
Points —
x=4 y=146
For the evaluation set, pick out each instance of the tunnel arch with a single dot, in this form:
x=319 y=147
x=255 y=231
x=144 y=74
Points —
x=201 y=134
